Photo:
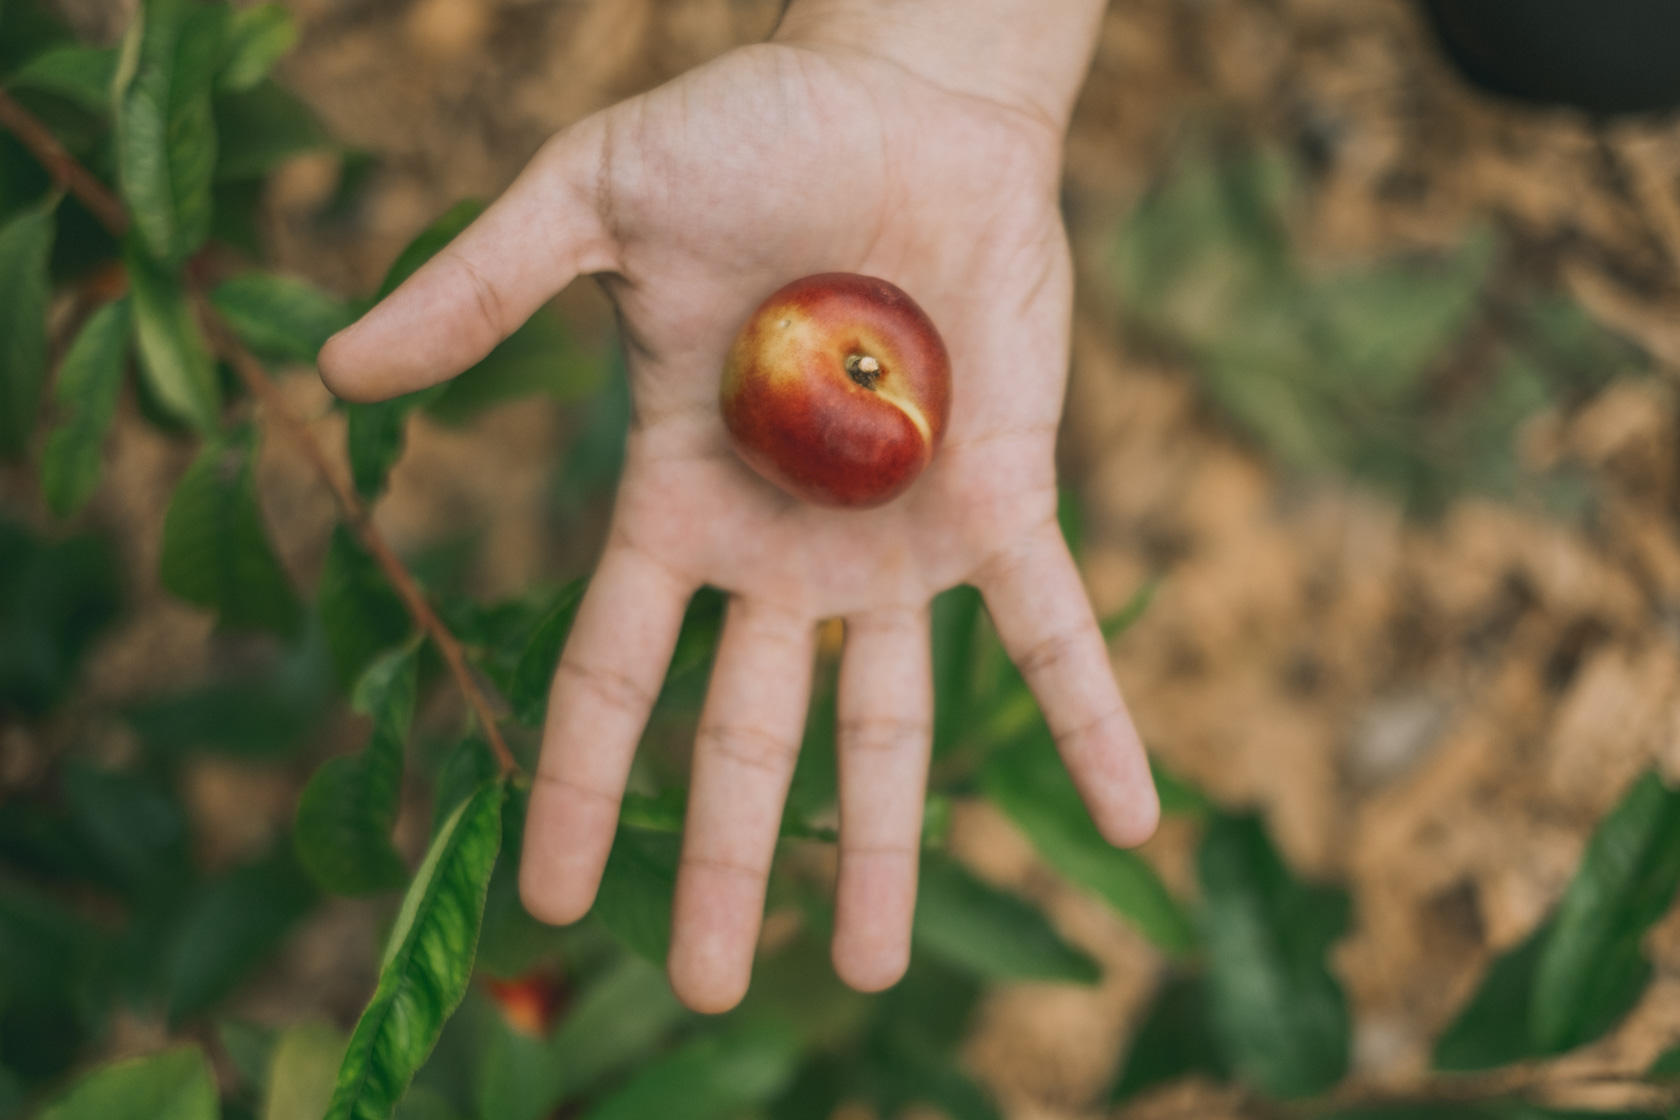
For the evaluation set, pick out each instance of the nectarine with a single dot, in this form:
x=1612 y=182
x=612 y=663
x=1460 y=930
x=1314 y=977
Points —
x=838 y=389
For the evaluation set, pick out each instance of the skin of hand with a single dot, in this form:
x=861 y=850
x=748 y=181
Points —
x=814 y=152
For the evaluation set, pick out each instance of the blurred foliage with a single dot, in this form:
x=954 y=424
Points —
x=112 y=912
x=1411 y=372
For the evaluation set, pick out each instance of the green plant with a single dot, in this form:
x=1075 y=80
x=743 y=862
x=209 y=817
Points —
x=127 y=184
x=1411 y=373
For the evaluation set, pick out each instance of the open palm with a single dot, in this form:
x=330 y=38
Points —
x=692 y=203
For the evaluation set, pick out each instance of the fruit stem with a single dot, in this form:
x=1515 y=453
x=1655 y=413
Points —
x=864 y=369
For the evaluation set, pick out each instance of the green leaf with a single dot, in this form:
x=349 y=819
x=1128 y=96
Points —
x=1123 y=619
x=618 y=1021
x=89 y=381
x=165 y=134
x=663 y=812
x=1591 y=970
x=376 y=436
x=1030 y=785
x=172 y=1085
x=713 y=1076
x=1492 y=1029
x=377 y=431
x=12 y=1093
x=260 y=128
x=80 y=74
x=926 y=1017
x=231 y=925
x=494 y=634
x=634 y=899
x=360 y=612
x=539 y=357
x=815 y=788
x=1520 y=1110
x=258 y=37
x=1338 y=368
x=951 y=1091
x=1178 y=797
x=134 y=825
x=595 y=458
x=1666 y=1067
x=215 y=550
x=38 y=840
x=1593 y=974
x=466 y=768
x=956 y=628
x=282 y=319
x=1175 y=1040
x=512 y=942
x=994 y=934
x=1483 y=1110
x=174 y=357
x=425 y=1103
x=1070 y=518
x=302 y=1072
x=257 y=708
x=28 y=27
x=25 y=245
x=23 y=181
x=515 y=1078
x=531 y=680
x=250 y=1050
x=348 y=809
x=702 y=625
x=1435 y=1110
x=427 y=964
x=424 y=247
x=51 y=954
x=1279 y=1013
x=55 y=599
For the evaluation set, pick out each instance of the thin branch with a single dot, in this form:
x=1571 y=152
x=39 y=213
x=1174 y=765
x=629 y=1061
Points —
x=64 y=168
x=356 y=515
x=105 y=205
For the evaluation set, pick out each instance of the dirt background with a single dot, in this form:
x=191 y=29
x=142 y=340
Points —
x=1434 y=714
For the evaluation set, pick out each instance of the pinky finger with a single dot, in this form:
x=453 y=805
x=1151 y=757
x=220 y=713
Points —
x=1042 y=615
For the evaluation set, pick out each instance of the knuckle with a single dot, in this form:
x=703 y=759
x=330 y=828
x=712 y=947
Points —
x=732 y=867
x=1072 y=738
x=881 y=852
x=869 y=736
x=485 y=296
x=609 y=687
x=1051 y=653
x=1018 y=557
x=578 y=789
x=746 y=746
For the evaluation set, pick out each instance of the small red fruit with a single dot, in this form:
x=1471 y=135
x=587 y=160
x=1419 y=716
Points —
x=529 y=1003
x=838 y=389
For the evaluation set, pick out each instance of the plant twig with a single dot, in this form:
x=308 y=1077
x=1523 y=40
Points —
x=64 y=168
x=69 y=174
x=356 y=515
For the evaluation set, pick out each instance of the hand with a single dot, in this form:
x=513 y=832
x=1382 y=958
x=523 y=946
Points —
x=692 y=203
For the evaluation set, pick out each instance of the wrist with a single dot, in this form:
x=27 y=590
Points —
x=1024 y=54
